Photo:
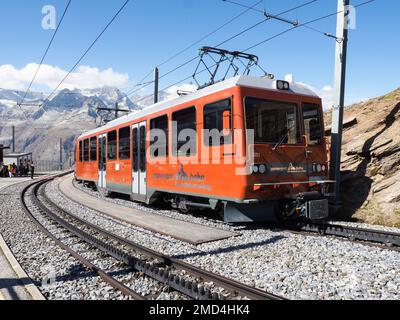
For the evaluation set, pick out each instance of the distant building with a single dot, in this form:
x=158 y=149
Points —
x=2 y=148
x=17 y=158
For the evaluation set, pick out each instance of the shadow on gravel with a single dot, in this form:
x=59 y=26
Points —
x=230 y=249
x=76 y=272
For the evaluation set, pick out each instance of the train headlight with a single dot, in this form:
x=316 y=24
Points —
x=255 y=169
x=318 y=168
x=262 y=169
x=282 y=85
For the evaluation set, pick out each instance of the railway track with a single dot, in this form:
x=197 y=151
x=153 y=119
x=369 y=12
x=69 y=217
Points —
x=355 y=234
x=160 y=267
x=104 y=275
x=389 y=239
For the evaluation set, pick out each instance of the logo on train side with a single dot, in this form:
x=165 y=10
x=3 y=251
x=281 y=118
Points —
x=289 y=168
x=181 y=175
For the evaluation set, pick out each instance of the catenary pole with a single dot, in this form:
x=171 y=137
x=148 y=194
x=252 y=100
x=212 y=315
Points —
x=13 y=139
x=156 y=76
x=339 y=95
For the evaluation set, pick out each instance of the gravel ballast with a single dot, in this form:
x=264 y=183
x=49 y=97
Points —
x=295 y=266
x=57 y=274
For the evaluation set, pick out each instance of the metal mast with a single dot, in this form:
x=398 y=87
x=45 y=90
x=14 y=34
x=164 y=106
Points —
x=339 y=95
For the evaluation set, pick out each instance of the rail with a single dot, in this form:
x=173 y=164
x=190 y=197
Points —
x=164 y=272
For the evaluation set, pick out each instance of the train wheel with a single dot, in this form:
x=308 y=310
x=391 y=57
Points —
x=104 y=192
x=183 y=207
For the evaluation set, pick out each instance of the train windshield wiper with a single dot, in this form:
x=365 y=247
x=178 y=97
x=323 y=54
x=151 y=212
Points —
x=282 y=139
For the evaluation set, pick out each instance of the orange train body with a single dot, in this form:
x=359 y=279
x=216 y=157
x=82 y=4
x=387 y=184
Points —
x=280 y=170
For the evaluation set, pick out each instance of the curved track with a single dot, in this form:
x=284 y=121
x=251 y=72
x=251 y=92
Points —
x=102 y=273
x=156 y=265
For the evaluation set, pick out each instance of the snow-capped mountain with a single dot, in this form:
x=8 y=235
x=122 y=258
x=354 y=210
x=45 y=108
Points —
x=68 y=99
x=66 y=115
x=15 y=95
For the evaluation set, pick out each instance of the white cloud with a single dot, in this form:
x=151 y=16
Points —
x=325 y=93
x=171 y=93
x=85 y=77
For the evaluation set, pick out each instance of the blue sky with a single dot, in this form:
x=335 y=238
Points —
x=148 y=32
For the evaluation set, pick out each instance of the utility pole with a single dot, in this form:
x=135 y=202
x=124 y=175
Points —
x=156 y=85
x=116 y=111
x=13 y=139
x=339 y=95
x=61 y=154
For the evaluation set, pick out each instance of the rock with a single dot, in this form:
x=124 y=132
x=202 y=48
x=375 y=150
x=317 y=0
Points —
x=371 y=160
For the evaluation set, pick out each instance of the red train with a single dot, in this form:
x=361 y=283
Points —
x=250 y=147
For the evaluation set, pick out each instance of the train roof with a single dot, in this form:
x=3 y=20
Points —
x=243 y=81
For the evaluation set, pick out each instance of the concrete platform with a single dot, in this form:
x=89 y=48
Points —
x=185 y=231
x=15 y=284
x=6 y=182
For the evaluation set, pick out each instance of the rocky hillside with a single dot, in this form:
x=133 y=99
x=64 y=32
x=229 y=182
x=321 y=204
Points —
x=371 y=160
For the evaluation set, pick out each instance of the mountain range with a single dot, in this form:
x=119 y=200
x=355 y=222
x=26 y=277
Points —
x=65 y=116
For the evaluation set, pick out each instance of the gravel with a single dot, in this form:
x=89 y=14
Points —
x=292 y=265
x=366 y=226
x=57 y=274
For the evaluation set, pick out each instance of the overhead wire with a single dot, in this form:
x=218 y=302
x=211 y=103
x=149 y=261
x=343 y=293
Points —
x=19 y=104
x=130 y=93
x=193 y=44
x=267 y=40
x=86 y=52
x=307 y=23
x=295 y=24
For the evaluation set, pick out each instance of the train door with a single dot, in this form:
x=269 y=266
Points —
x=102 y=141
x=139 y=187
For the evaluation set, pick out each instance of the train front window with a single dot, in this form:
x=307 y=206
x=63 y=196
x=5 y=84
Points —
x=272 y=121
x=312 y=123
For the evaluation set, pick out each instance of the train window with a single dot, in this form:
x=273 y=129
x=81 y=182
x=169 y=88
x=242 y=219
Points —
x=124 y=143
x=272 y=121
x=112 y=145
x=86 y=150
x=80 y=151
x=93 y=149
x=135 y=154
x=142 y=147
x=312 y=123
x=159 y=148
x=214 y=114
x=184 y=133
